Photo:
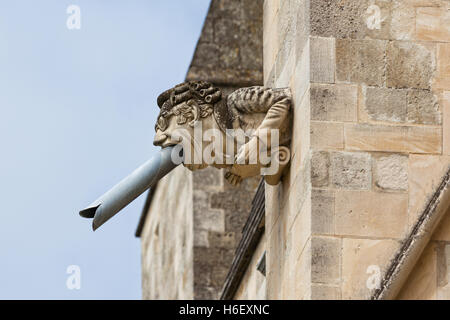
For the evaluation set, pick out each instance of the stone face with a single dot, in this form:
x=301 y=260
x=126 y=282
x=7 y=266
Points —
x=393 y=138
x=433 y=23
x=322 y=57
x=371 y=214
x=325 y=260
x=327 y=135
x=320 y=165
x=423 y=107
x=322 y=212
x=334 y=102
x=382 y=104
x=409 y=65
x=391 y=172
x=361 y=61
x=351 y=170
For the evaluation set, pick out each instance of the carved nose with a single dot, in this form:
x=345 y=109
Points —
x=159 y=139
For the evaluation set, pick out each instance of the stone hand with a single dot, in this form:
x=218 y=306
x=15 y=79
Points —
x=233 y=179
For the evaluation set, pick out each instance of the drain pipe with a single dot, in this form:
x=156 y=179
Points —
x=144 y=177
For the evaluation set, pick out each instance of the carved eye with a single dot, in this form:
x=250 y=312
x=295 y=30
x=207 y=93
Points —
x=161 y=124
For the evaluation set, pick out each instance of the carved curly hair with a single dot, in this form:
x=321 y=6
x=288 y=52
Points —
x=199 y=93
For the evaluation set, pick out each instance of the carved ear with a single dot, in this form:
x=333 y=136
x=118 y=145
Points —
x=196 y=113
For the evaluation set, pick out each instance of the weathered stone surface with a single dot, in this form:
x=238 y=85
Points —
x=251 y=11
x=446 y=123
x=229 y=9
x=433 y=23
x=206 y=218
x=208 y=179
x=420 y=189
x=334 y=102
x=320 y=165
x=360 y=61
x=382 y=104
x=325 y=292
x=208 y=52
x=423 y=107
x=323 y=59
x=393 y=138
x=443 y=270
x=409 y=65
x=325 y=260
x=339 y=19
x=422 y=281
x=442 y=81
x=302 y=29
x=362 y=260
x=368 y=213
x=322 y=212
x=351 y=170
x=167 y=240
x=391 y=172
x=327 y=135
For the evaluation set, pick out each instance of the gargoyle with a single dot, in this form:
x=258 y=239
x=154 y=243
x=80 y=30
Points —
x=209 y=130
x=244 y=125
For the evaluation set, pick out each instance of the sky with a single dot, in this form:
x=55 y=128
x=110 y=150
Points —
x=77 y=114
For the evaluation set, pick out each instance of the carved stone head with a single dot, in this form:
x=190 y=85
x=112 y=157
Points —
x=198 y=106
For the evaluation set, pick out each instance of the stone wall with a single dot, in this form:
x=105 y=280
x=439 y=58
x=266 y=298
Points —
x=167 y=240
x=371 y=141
x=377 y=115
x=288 y=205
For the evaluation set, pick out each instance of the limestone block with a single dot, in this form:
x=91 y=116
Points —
x=409 y=65
x=442 y=232
x=442 y=80
x=371 y=214
x=360 y=61
x=339 y=19
x=322 y=212
x=206 y=218
x=325 y=292
x=422 y=281
x=391 y=172
x=423 y=107
x=446 y=123
x=443 y=271
x=302 y=29
x=320 y=167
x=334 y=102
x=351 y=170
x=364 y=261
x=420 y=189
x=323 y=61
x=325 y=260
x=384 y=104
x=393 y=138
x=302 y=274
x=327 y=135
x=433 y=23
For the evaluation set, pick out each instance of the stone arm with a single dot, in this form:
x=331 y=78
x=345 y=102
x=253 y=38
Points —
x=247 y=107
x=274 y=103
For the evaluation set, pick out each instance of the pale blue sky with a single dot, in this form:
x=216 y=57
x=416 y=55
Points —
x=77 y=115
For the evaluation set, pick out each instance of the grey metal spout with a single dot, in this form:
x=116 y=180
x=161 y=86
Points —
x=118 y=197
